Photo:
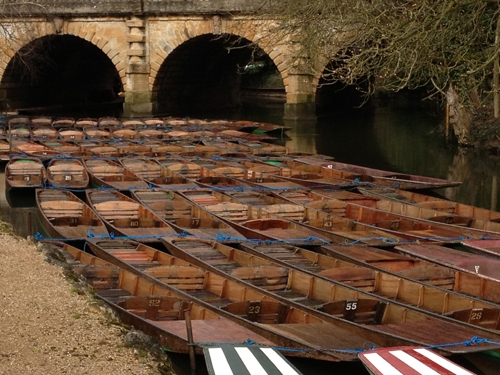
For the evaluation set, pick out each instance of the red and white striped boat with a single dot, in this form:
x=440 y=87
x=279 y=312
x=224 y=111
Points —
x=409 y=360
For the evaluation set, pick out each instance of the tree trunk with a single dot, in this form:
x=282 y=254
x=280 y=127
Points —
x=460 y=118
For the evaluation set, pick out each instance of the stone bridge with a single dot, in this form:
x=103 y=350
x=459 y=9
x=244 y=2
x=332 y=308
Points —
x=155 y=56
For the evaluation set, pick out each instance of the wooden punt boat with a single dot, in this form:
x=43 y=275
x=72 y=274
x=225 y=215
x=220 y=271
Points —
x=125 y=133
x=41 y=121
x=4 y=150
x=240 y=125
x=63 y=123
x=273 y=129
x=129 y=149
x=43 y=132
x=108 y=173
x=229 y=146
x=235 y=134
x=222 y=183
x=64 y=215
x=151 y=133
x=67 y=173
x=22 y=172
x=346 y=306
x=432 y=202
x=456 y=259
x=124 y=216
x=184 y=216
x=85 y=122
x=483 y=247
x=433 y=230
x=420 y=212
x=146 y=169
x=159 y=312
x=96 y=133
x=156 y=122
x=409 y=360
x=377 y=176
x=19 y=131
x=133 y=124
x=447 y=270
x=379 y=283
x=338 y=229
x=261 y=149
x=317 y=180
x=64 y=148
x=253 y=169
x=18 y=121
x=108 y=122
x=71 y=134
x=32 y=148
x=381 y=204
x=291 y=328
x=272 y=222
x=175 y=134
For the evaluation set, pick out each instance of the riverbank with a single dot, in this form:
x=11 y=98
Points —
x=50 y=326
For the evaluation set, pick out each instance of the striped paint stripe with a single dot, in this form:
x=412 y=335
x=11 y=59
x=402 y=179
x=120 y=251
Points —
x=247 y=360
x=409 y=361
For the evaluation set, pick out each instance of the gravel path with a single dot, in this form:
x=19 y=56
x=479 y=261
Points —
x=47 y=327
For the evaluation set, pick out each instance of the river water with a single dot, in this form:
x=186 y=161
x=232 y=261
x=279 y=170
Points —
x=401 y=141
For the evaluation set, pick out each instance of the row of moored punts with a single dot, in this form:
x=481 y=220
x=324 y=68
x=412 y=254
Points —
x=296 y=251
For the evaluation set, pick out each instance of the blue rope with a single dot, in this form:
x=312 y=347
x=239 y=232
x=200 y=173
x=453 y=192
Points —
x=474 y=341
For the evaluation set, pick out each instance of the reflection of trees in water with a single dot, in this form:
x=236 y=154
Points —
x=478 y=173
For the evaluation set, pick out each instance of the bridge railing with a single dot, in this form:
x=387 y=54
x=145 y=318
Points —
x=124 y=7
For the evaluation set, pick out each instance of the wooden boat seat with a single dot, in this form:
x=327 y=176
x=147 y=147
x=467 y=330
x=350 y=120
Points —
x=156 y=307
x=61 y=209
x=263 y=224
x=358 y=277
x=445 y=206
x=230 y=211
x=435 y=275
x=266 y=277
x=230 y=171
x=114 y=210
x=24 y=169
x=452 y=219
x=135 y=222
x=264 y=312
x=289 y=211
x=388 y=224
x=132 y=255
x=181 y=277
x=364 y=311
x=484 y=317
x=65 y=168
x=26 y=177
x=74 y=221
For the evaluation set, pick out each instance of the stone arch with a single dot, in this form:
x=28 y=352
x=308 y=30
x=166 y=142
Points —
x=108 y=38
x=181 y=33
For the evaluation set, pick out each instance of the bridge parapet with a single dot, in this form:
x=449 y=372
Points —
x=129 y=7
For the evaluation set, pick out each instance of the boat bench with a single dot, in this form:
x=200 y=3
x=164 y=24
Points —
x=186 y=278
x=61 y=209
x=30 y=176
x=483 y=317
x=73 y=221
x=156 y=308
x=264 y=312
x=363 y=311
x=135 y=222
